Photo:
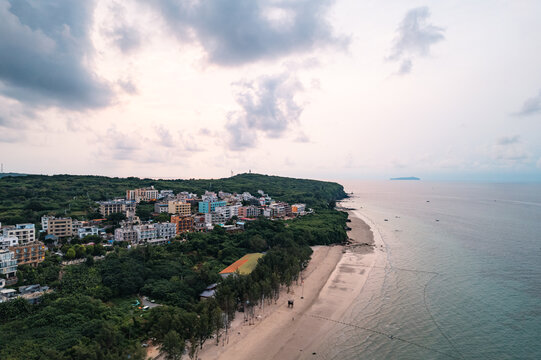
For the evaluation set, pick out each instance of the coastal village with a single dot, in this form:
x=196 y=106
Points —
x=174 y=215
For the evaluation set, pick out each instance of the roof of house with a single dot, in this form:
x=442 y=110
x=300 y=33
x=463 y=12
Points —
x=244 y=265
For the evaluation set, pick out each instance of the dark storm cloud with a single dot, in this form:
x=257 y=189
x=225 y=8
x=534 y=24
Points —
x=414 y=37
x=243 y=31
x=268 y=106
x=531 y=106
x=44 y=47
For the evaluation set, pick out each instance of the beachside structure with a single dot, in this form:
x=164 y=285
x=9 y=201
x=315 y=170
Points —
x=243 y=266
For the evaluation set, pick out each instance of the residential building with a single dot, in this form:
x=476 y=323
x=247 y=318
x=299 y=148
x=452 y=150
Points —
x=166 y=194
x=26 y=233
x=60 y=227
x=246 y=196
x=29 y=254
x=267 y=212
x=228 y=211
x=87 y=231
x=209 y=196
x=166 y=230
x=8 y=266
x=146 y=233
x=179 y=208
x=126 y=207
x=249 y=211
x=128 y=234
x=182 y=223
x=8 y=294
x=206 y=207
x=161 y=207
x=8 y=241
x=280 y=209
x=33 y=293
x=76 y=225
x=45 y=222
x=142 y=194
x=185 y=196
x=298 y=209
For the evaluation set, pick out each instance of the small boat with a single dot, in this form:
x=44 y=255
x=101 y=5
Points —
x=385 y=219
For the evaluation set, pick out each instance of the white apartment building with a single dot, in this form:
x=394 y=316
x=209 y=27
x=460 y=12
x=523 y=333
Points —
x=8 y=241
x=228 y=211
x=86 y=231
x=166 y=230
x=146 y=233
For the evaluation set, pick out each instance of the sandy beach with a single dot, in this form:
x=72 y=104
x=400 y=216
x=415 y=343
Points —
x=333 y=279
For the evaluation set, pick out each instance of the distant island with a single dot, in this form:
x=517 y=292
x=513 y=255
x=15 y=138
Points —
x=406 y=178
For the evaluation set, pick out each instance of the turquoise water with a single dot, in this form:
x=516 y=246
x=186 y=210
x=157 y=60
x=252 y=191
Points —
x=459 y=276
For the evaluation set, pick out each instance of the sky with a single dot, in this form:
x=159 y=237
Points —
x=443 y=90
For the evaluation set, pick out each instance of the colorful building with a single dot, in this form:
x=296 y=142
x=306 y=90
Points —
x=206 y=207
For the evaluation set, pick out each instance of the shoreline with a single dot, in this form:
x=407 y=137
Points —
x=332 y=281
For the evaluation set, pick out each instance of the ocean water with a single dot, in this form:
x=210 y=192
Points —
x=459 y=274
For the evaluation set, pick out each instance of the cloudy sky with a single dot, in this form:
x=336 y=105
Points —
x=445 y=90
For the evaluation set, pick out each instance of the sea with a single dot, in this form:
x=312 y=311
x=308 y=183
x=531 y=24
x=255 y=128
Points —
x=458 y=276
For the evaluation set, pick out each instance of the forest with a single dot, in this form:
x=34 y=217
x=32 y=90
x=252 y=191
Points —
x=91 y=313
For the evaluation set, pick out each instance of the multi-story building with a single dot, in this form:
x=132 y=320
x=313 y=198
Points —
x=76 y=225
x=166 y=230
x=249 y=211
x=45 y=222
x=209 y=196
x=161 y=207
x=298 y=209
x=267 y=212
x=146 y=233
x=8 y=241
x=142 y=194
x=228 y=211
x=166 y=194
x=8 y=265
x=128 y=234
x=182 y=223
x=87 y=231
x=206 y=207
x=184 y=195
x=30 y=253
x=60 y=227
x=25 y=233
x=117 y=206
x=280 y=209
x=179 y=208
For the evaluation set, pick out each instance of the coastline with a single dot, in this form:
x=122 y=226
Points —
x=332 y=281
